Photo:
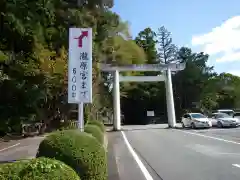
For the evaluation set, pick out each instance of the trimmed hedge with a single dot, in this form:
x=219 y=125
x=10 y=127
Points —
x=48 y=169
x=97 y=123
x=95 y=131
x=11 y=171
x=79 y=150
x=38 y=169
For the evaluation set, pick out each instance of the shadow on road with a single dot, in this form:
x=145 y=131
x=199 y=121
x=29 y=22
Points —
x=213 y=128
x=158 y=126
x=140 y=127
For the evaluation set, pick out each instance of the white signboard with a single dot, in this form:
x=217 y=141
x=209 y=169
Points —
x=80 y=65
x=150 y=113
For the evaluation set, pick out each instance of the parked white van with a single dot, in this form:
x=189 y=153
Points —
x=230 y=112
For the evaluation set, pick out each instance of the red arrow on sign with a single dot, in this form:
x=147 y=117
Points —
x=80 y=38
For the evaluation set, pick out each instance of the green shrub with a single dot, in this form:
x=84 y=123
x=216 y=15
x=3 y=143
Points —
x=38 y=169
x=97 y=123
x=95 y=131
x=69 y=124
x=77 y=149
x=11 y=171
x=48 y=169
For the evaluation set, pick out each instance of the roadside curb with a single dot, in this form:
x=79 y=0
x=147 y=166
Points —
x=105 y=144
x=113 y=173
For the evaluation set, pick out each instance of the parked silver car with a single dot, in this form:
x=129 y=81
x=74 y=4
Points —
x=223 y=120
x=195 y=120
x=237 y=115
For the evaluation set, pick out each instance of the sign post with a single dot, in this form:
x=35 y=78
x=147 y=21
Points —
x=80 y=117
x=80 y=69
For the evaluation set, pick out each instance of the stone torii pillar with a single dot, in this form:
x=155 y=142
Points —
x=170 y=100
x=116 y=102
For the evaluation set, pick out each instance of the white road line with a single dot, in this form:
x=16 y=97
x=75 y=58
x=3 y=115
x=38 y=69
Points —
x=9 y=147
x=137 y=159
x=210 y=137
x=236 y=165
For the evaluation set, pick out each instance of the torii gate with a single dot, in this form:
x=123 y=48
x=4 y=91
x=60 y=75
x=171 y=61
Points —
x=166 y=77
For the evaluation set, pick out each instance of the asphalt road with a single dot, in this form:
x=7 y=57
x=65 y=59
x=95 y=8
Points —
x=161 y=153
x=21 y=149
x=172 y=154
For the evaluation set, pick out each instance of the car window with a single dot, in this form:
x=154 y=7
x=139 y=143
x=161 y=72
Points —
x=230 y=113
x=198 y=115
x=222 y=115
x=185 y=116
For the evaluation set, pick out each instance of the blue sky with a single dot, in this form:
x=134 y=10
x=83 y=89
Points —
x=212 y=26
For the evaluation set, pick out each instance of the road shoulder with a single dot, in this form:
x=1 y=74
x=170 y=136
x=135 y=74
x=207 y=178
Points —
x=113 y=173
x=121 y=164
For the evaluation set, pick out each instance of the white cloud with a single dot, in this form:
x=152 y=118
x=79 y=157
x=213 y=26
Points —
x=235 y=72
x=222 y=39
x=229 y=57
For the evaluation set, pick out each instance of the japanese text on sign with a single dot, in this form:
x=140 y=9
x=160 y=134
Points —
x=74 y=83
x=83 y=74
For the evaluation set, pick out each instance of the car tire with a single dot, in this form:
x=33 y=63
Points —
x=193 y=126
x=183 y=126
x=219 y=124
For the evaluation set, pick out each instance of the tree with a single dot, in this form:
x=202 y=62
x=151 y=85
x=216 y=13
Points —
x=96 y=3
x=167 y=51
x=147 y=40
x=226 y=86
x=142 y=95
x=192 y=80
